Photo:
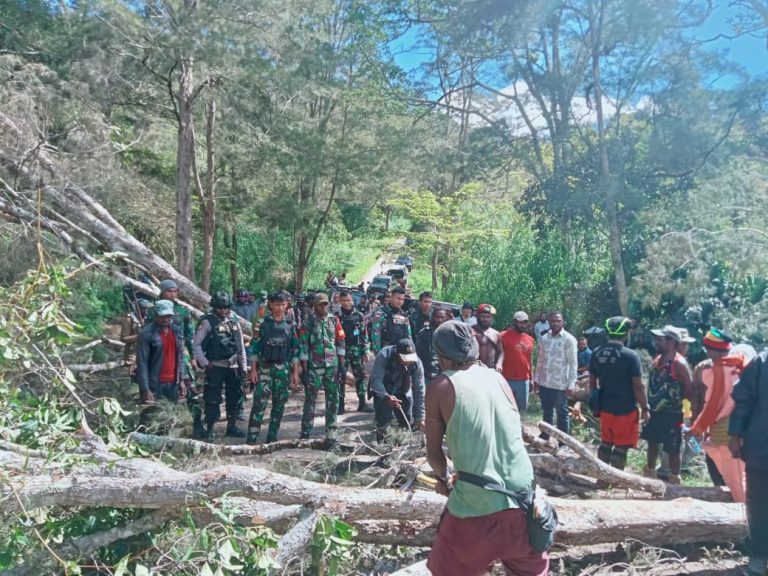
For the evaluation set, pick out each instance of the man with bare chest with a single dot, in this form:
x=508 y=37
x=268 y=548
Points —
x=489 y=339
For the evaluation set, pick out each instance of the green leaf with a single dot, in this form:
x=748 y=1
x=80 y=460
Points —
x=122 y=566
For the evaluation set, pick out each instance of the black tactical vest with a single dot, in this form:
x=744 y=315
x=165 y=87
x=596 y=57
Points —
x=275 y=340
x=353 y=325
x=395 y=327
x=221 y=341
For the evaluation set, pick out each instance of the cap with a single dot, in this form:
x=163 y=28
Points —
x=617 y=325
x=263 y=293
x=167 y=285
x=486 y=309
x=164 y=308
x=407 y=350
x=467 y=306
x=520 y=316
x=144 y=303
x=320 y=297
x=717 y=340
x=670 y=332
x=685 y=337
x=241 y=292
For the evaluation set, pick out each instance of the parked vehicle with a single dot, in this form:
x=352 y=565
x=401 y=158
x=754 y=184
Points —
x=380 y=284
x=398 y=272
x=406 y=261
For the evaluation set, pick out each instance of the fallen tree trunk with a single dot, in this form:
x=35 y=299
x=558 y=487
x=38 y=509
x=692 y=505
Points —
x=191 y=447
x=583 y=522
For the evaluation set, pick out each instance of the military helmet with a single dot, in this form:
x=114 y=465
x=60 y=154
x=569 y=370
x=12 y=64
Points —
x=221 y=300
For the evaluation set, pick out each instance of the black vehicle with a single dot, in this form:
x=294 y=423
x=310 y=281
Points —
x=398 y=272
x=406 y=261
x=380 y=284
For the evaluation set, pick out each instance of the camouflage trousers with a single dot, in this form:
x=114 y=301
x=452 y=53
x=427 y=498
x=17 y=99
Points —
x=354 y=361
x=316 y=379
x=274 y=381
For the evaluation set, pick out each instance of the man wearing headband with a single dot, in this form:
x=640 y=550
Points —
x=473 y=408
x=713 y=382
x=748 y=428
x=616 y=372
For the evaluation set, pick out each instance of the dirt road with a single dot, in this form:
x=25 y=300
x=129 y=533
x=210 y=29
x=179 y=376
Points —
x=390 y=255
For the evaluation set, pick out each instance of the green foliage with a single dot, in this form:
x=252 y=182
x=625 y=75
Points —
x=332 y=547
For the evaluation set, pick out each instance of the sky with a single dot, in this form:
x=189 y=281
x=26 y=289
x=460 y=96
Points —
x=749 y=52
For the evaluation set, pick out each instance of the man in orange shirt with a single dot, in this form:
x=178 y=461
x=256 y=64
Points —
x=516 y=368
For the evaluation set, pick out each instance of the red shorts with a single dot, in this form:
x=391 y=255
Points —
x=621 y=430
x=469 y=546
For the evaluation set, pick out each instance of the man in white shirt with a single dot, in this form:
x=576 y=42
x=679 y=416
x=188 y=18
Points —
x=556 y=372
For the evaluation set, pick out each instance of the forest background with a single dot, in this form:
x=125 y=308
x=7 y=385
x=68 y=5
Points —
x=598 y=156
x=593 y=156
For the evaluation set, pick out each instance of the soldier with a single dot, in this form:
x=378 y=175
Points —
x=421 y=315
x=169 y=290
x=357 y=351
x=220 y=351
x=130 y=328
x=363 y=305
x=242 y=307
x=321 y=351
x=424 y=348
x=336 y=303
x=391 y=325
x=274 y=367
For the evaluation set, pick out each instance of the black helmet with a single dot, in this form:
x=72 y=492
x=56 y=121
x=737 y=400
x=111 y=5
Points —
x=221 y=300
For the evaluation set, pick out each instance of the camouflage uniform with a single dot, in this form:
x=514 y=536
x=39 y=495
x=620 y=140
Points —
x=389 y=326
x=321 y=341
x=274 y=382
x=356 y=349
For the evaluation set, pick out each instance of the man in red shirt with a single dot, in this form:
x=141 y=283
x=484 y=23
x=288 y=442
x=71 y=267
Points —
x=516 y=368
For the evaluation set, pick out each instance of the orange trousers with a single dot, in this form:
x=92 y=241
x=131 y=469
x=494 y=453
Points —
x=731 y=468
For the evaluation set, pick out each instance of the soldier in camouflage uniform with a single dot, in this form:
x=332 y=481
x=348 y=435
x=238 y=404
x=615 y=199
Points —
x=356 y=351
x=321 y=350
x=274 y=367
x=390 y=324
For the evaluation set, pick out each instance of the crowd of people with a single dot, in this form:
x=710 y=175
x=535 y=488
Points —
x=466 y=384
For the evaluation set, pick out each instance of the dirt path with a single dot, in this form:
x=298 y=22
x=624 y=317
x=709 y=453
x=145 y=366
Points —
x=390 y=255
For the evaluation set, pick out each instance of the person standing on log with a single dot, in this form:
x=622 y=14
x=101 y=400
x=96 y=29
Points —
x=160 y=367
x=356 y=351
x=615 y=371
x=489 y=339
x=668 y=383
x=274 y=368
x=516 y=366
x=473 y=408
x=556 y=373
x=424 y=348
x=220 y=351
x=397 y=386
x=390 y=325
x=748 y=430
x=321 y=351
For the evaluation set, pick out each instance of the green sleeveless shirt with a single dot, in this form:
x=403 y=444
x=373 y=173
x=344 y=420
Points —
x=484 y=436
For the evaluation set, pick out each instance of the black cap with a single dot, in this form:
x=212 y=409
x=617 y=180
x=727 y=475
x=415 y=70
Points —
x=276 y=297
x=467 y=306
x=407 y=350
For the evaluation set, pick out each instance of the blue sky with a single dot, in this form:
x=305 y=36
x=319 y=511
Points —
x=749 y=52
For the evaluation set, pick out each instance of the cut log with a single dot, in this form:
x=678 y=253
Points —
x=602 y=470
x=296 y=541
x=193 y=447
x=101 y=367
x=583 y=522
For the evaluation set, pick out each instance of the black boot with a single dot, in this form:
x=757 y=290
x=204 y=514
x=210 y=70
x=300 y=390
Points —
x=198 y=430
x=341 y=409
x=233 y=431
x=209 y=434
x=362 y=406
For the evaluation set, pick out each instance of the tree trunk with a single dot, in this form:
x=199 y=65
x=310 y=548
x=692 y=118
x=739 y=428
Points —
x=185 y=149
x=208 y=198
x=230 y=243
x=607 y=180
x=434 y=267
x=302 y=262
x=387 y=217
